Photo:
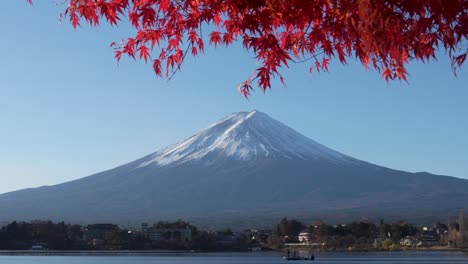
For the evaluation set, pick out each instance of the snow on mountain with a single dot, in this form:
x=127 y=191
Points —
x=243 y=136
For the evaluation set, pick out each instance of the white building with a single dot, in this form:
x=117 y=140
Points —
x=304 y=238
x=171 y=232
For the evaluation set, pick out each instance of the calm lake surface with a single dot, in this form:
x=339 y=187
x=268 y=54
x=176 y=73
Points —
x=247 y=258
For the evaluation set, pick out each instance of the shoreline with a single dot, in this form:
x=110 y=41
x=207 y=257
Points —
x=188 y=252
x=421 y=249
x=91 y=252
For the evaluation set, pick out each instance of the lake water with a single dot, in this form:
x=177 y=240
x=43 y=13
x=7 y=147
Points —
x=248 y=258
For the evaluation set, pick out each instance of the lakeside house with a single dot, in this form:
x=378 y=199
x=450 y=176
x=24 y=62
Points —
x=304 y=237
x=179 y=231
x=408 y=242
x=99 y=231
x=429 y=238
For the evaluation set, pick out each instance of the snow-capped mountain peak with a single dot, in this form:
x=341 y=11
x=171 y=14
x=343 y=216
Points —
x=243 y=136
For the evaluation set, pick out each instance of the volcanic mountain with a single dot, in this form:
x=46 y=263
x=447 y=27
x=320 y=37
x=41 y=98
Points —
x=246 y=166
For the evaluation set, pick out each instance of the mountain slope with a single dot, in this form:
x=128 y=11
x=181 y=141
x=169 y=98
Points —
x=244 y=166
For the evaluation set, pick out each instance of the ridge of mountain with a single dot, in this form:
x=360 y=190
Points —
x=244 y=136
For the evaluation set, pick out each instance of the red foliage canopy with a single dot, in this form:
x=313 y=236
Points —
x=383 y=34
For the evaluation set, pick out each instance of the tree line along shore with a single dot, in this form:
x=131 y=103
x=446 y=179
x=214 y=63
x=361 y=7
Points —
x=183 y=236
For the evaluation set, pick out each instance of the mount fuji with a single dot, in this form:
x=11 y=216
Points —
x=244 y=167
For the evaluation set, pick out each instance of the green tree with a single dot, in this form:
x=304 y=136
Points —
x=387 y=243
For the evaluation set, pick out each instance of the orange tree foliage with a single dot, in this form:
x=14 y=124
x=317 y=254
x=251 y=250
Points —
x=382 y=34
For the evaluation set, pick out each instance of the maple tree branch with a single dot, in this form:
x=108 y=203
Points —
x=61 y=3
x=314 y=56
x=182 y=60
x=307 y=29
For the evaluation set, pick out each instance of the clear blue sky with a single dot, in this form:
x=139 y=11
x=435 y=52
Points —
x=67 y=110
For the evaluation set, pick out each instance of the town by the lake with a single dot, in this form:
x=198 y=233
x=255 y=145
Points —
x=288 y=235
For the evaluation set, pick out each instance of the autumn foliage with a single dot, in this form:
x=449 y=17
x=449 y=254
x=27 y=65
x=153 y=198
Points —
x=383 y=34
